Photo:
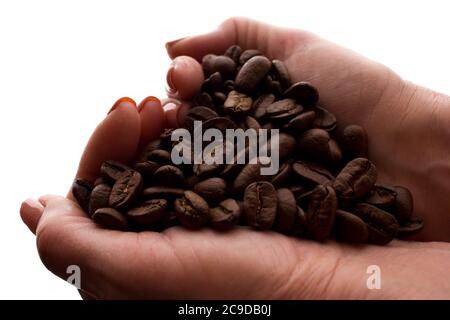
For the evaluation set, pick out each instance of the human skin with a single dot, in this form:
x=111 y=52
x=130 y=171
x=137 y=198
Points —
x=408 y=134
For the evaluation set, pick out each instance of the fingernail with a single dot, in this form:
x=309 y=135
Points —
x=170 y=44
x=121 y=101
x=33 y=204
x=148 y=102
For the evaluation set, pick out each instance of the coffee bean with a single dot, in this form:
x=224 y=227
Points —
x=261 y=104
x=252 y=74
x=283 y=176
x=249 y=123
x=382 y=226
x=204 y=170
x=304 y=93
x=226 y=215
x=204 y=99
x=260 y=205
x=126 y=190
x=162 y=193
x=281 y=73
x=213 y=190
x=410 y=228
x=150 y=212
x=321 y=212
x=219 y=98
x=287 y=210
x=297 y=190
x=312 y=173
x=112 y=170
x=248 y=54
x=300 y=224
x=324 y=119
x=381 y=197
x=280 y=107
x=223 y=64
x=152 y=145
x=192 y=210
x=354 y=142
x=404 y=205
x=99 y=198
x=198 y=114
x=168 y=175
x=81 y=190
x=100 y=180
x=237 y=104
x=110 y=218
x=234 y=52
x=314 y=144
x=249 y=174
x=356 y=178
x=350 y=228
x=220 y=123
x=160 y=156
x=166 y=138
x=301 y=122
x=213 y=83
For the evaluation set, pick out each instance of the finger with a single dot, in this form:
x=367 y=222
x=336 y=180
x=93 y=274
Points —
x=247 y=33
x=115 y=138
x=153 y=119
x=184 y=78
x=175 y=111
x=30 y=212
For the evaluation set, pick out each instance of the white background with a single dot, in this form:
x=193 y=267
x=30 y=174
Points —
x=63 y=64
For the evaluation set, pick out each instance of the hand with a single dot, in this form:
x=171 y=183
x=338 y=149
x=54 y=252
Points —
x=244 y=263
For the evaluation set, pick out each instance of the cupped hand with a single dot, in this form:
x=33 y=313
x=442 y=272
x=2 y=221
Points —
x=244 y=263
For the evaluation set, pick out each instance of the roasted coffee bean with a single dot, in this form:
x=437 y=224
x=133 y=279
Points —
x=282 y=177
x=252 y=74
x=286 y=210
x=100 y=180
x=304 y=93
x=150 y=212
x=112 y=170
x=162 y=193
x=300 y=224
x=281 y=73
x=261 y=104
x=356 y=178
x=301 y=122
x=219 y=98
x=191 y=181
x=228 y=86
x=303 y=199
x=169 y=219
x=223 y=64
x=280 y=107
x=166 y=138
x=213 y=190
x=381 y=197
x=204 y=99
x=99 y=198
x=297 y=190
x=324 y=119
x=81 y=190
x=204 y=170
x=248 y=54
x=110 y=218
x=237 y=104
x=335 y=152
x=312 y=173
x=226 y=215
x=260 y=205
x=126 y=190
x=169 y=176
x=382 y=225
x=354 y=142
x=284 y=118
x=315 y=144
x=220 y=123
x=198 y=114
x=146 y=168
x=192 y=210
x=249 y=174
x=321 y=212
x=404 y=205
x=160 y=156
x=213 y=83
x=234 y=52
x=350 y=228
x=410 y=228
x=249 y=123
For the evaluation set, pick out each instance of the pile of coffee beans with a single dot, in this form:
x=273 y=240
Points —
x=325 y=186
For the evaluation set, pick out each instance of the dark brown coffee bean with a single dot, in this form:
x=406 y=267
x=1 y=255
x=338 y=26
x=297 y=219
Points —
x=321 y=212
x=282 y=177
x=223 y=64
x=160 y=156
x=297 y=190
x=213 y=83
x=213 y=190
x=304 y=93
x=126 y=190
x=300 y=224
x=335 y=152
x=237 y=104
x=112 y=170
x=354 y=142
x=404 y=205
x=356 y=178
x=192 y=210
x=168 y=220
x=303 y=199
x=248 y=54
x=228 y=86
x=162 y=193
x=350 y=228
x=261 y=104
x=312 y=173
x=150 y=212
x=260 y=205
x=281 y=73
x=219 y=98
x=234 y=52
x=152 y=145
x=220 y=123
x=81 y=190
x=204 y=170
x=324 y=119
x=249 y=123
x=252 y=74
x=203 y=99
x=284 y=118
x=281 y=107
x=166 y=138
x=146 y=168
x=169 y=176
x=381 y=197
x=410 y=228
x=382 y=225
x=286 y=212
x=249 y=174
x=198 y=114
x=100 y=180
x=302 y=122
x=99 y=198
x=110 y=218
x=226 y=215
x=314 y=144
